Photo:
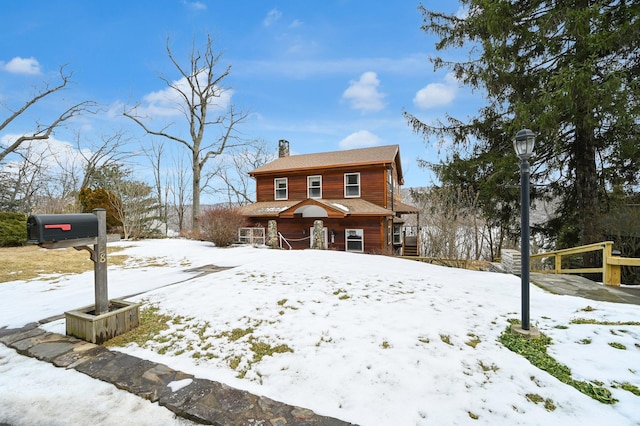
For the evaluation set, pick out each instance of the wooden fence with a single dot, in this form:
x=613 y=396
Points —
x=610 y=269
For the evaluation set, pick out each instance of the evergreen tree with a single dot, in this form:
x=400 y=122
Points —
x=128 y=202
x=568 y=71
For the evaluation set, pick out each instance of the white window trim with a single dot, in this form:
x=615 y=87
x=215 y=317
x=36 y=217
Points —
x=350 y=186
x=275 y=188
x=346 y=242
x=398 y=234
x=309 y=186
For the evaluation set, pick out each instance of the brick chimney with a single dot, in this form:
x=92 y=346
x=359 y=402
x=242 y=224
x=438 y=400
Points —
x=283 y=148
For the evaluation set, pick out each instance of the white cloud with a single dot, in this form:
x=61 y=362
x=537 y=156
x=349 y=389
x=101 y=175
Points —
x=363 y=94
x=436 y=94
x=48 y=153
x=296 y=23
x=20 y=65
x=272 y=17
x=360 y=139
x=168 y=102
x=195 y=5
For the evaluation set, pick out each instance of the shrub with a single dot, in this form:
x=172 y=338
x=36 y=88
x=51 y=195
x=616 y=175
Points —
x=101 y=198
x=220 y=225
x=13 y=229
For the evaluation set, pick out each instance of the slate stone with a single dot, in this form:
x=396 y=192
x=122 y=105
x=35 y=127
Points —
x=5 y=331
x=23 y=345
x=272 y=408
x=81 y=352
x=93 y=367
x=10 y=338
x=153 y=383
x=129 y=376
x=114 y=368
x=47 y=351
x=195 y=402
x=210 y=402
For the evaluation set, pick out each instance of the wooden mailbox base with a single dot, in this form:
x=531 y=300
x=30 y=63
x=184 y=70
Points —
x=84 y=324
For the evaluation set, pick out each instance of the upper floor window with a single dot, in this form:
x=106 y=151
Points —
x=314 y=186
x=281 y=190
x=351 y=185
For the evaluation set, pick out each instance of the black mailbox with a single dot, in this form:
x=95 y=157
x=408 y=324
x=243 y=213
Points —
x=51 y=228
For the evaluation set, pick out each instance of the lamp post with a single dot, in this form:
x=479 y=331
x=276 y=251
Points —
x=523 y=144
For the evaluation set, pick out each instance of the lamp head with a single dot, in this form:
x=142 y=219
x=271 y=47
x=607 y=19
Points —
x=523 y=143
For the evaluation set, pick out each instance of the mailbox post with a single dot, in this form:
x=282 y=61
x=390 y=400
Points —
x=105 y=319
x=100 y=264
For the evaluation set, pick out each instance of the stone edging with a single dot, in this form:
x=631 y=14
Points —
x=202 y=401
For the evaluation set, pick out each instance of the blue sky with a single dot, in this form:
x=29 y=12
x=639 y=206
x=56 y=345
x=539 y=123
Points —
x=326 y=76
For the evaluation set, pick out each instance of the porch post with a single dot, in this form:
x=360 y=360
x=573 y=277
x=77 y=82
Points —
x=272 y=234
x=318 y=235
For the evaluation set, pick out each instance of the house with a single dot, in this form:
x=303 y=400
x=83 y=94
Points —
x=354 y=193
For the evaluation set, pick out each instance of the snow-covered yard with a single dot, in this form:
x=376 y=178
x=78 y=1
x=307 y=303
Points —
x=368 y=339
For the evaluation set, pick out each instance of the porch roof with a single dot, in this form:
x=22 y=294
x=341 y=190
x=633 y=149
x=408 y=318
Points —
x=400 y=207
x=346 y=206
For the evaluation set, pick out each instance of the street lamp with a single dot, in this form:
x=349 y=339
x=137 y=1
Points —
x=523 y=144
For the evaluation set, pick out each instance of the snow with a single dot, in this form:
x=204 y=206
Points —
x=341 y=206
x=372 y=340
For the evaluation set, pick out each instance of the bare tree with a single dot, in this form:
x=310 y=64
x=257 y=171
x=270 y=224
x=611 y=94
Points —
x=179 y=185
x=161 y=191
x=452 y=227
x=43 y=131
x=238 y=187
x=200 y=91
x=24 y=180
x=107 y=153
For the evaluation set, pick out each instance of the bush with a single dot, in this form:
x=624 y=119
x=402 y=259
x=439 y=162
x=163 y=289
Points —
x=13 y=229
x=220 y=225
x=103 y=199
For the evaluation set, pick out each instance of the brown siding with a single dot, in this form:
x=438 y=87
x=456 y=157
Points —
x=372 y=184
x=296 y=231
x=373 y=188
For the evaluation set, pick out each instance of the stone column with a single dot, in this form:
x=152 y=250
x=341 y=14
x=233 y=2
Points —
x=318 y=235
x=272 y=234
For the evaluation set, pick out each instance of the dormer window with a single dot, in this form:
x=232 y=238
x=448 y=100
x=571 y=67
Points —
x=314 y=186
x=351 y=185
x=281 y=189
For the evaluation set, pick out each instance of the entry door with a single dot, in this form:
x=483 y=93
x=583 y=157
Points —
x=325 y=234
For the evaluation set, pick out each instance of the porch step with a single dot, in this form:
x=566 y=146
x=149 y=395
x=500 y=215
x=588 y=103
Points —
x=410 y=250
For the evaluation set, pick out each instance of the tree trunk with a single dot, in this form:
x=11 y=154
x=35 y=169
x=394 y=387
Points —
x=195 y=211
x=586 y=187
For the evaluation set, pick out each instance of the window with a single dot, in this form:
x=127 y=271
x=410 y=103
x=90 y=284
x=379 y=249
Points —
x=314 y=186
x=354 y=240
x=280 y=185
x=351 y=185
x=397 y=234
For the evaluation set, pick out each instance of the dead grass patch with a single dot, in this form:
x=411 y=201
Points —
x=29 y=262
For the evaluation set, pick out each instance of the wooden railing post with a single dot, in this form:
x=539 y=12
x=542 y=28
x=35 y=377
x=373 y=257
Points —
x=558 y=263
x=611 y=274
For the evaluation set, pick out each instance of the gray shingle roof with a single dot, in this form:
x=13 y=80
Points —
x=377 y=155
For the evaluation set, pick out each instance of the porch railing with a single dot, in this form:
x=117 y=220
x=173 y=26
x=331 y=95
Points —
x=283 y=239
x=253 y=236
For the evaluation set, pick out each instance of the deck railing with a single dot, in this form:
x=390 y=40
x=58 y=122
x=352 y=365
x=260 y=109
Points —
x=283 y=239
x=253 y=236
x=611 y=264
